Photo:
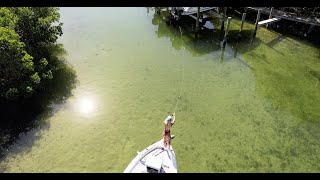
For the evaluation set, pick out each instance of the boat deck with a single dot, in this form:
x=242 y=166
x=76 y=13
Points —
x=156 y=157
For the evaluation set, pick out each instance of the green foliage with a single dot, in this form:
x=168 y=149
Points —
x=7 y=18
x=35 y=25
x=12 y=93
x=35 y=78
x=16 y=65
x=29 y=55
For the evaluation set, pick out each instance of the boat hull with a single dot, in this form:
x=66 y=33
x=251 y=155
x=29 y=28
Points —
x=154 y=159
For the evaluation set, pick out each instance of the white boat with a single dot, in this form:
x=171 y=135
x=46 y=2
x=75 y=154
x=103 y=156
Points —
x=154 y=159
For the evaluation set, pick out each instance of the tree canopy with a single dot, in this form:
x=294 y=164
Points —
x=28 y=58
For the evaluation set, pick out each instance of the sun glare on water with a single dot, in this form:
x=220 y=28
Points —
x=86 y=106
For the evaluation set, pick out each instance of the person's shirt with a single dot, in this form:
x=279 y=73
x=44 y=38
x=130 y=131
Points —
x=168 y=122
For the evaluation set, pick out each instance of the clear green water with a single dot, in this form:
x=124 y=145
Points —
x=257 y=111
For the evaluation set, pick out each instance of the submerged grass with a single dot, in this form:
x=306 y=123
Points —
x=251 y=107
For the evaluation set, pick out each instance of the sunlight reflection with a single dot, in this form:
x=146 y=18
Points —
x=86 y=105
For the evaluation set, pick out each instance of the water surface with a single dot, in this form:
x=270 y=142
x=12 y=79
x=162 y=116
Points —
x=251 y=107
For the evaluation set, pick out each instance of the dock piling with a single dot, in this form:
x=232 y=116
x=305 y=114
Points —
x=226 y=32
x=197 y=23
x=158 y=10
x=224 y=17
x=257 y=21
x=242 y=21
x=228 y=25
x=270 y=15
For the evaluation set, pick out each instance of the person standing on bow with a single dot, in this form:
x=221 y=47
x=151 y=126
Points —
x=168 y=122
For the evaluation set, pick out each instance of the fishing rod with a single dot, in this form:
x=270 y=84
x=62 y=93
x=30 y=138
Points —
x=182 y=80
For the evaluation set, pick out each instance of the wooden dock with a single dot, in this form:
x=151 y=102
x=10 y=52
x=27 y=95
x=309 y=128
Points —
x=193 y=10
x=214 y=14
x=194 y=17
x=286 y=15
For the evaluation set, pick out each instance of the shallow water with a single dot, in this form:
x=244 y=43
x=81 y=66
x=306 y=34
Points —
x=252 y=107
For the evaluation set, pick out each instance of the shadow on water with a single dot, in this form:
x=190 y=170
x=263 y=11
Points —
x=209 y=40
x=32 y=114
